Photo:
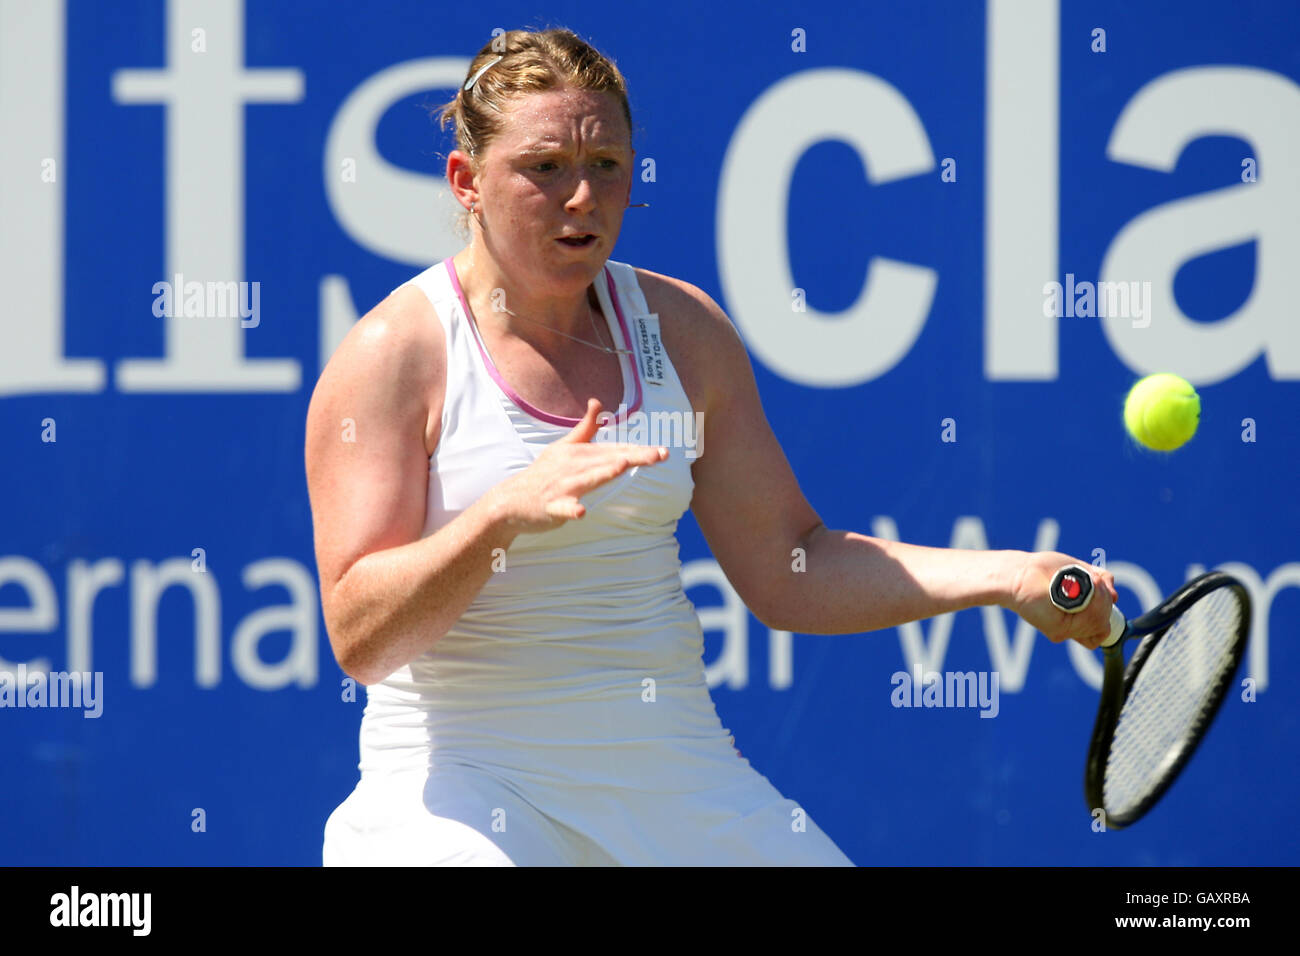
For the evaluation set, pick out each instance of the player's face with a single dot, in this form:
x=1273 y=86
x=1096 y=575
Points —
x=562 y=166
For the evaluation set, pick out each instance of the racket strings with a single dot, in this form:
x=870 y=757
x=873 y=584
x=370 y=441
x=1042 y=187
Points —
x=1173 y=693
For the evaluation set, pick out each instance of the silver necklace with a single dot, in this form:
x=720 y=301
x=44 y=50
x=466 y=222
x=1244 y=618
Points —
x=590 y=316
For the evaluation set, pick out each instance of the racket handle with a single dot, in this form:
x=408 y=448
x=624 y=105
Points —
x=1071 y=591
x=1117 y=627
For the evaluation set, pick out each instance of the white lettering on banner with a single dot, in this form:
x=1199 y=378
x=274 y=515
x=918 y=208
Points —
x=41 y=616
x=1021 y=188
x=799 y=111
x=730 y=616
x=33 y=52
x=204 y=193
x=204 y=98
x=204 y=165
x=1157 y=125
x=1022 y=234
x=1022 y=230
x=149 y=583
x=398 y=212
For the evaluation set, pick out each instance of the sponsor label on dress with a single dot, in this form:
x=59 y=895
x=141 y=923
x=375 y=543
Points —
x=650 y=348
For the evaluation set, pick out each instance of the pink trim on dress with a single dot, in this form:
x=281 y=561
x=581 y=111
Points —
x=623 y=361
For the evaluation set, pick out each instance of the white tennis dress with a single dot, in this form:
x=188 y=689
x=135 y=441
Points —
x=565 y=718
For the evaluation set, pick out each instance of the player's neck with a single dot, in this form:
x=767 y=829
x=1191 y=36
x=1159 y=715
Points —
x=500 y=304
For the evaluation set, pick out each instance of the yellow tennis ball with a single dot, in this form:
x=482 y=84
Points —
x=1162 y=411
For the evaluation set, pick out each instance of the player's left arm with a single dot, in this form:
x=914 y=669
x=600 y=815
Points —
x=756 y=520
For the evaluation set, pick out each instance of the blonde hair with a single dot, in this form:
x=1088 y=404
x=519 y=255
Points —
x=519 y=63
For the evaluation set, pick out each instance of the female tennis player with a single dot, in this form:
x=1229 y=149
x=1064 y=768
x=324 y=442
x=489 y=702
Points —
x=502 y=572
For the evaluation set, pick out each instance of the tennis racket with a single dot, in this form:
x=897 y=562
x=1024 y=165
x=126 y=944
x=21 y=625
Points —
x=1155 y=712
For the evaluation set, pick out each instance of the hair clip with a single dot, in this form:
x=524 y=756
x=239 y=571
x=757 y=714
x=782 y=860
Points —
x=474 y=79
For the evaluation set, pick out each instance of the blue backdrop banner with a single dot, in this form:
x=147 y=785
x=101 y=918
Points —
x=952 y=235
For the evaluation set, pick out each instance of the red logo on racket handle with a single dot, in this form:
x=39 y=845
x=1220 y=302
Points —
x=1071 y=588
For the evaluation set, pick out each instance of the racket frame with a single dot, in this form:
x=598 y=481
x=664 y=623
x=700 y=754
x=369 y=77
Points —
x=1118 y=681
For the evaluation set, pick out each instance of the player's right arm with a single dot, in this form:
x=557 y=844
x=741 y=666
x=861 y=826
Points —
x=387 y=594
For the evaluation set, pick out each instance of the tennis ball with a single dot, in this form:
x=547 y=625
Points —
x=1162 y=411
